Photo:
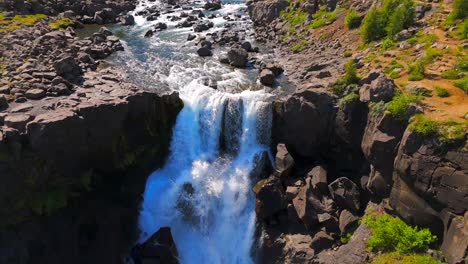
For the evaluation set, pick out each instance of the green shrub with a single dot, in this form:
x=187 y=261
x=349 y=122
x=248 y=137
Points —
x=450 y=74
x=345 y=239
x=387 y=44
x=294 y=17
x=394 y=16
x=392 y=234
x=445 y=131
x=441 y=92
x=394 y=75
x=376 y=109
x=372 y=26
x=322 y=17
x=462 y=63
x=350 y=98
x=339 y=87
x=462 y=84
x=416 y=71
x=423 y=126
x=352 y=19
x=392 y=66
x=460 y=11
x=300 y=46
x=401 y=18
x=430 y=55
x=351 y=73
x=397 y=258
x=398 y=106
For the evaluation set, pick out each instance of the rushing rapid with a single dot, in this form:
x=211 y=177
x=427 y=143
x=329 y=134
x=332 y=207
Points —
x=204 y=191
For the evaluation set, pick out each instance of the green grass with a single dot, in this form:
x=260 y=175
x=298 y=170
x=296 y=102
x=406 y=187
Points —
x=294 y=17
x=391 y=234
x=431 y=55
x=428 y=39
x=392 y=66
x=300 y=46
x=445 y=131
x=350 y=98
x=352 y=19
x=416 y=71
x=18 y=22
x=322 y=17
x=462 y=84
x=441 y=92
x=398 y=106
x=396 y=258
x=394 y=75
x=61 y=23
x=450 y=74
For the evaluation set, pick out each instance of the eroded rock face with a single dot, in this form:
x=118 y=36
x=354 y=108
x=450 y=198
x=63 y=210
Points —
x=263 y=12
x=88 y=148
x=437 y=171
x=303 y=122
x=455 y=246
x=270 y=197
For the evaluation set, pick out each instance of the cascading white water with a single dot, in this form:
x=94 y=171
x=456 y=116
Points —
x=206 y=198
x=204 y=191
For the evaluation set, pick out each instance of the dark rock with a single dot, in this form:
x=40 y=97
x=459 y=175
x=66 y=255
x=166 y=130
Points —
x=204 y=52
x=380 y=88
x=238 y=57
x=348 y=221
x=160 y=26
x=3 y=102
x=264 y=12
x=149 y=33
x=159 y=248
x=67 y=65
x=191 y=37
x=304 y=206
x=35 y=94
x=284 y=162
x=247 y=46
x=321 y=241
x=275 y=68
x=267 y=77
x=127 y=20
x=213 y=5
x=455 y=245
x=319 y=180
x=202 y=26
x=346 y=194
x=270 y=197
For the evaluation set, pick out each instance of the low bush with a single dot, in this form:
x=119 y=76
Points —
x=450 y=74
x=441 y=92
x=322 y=17
x=445 y=131
x=350 y=98
x=416 y=71
x=351 y=73
x=294 y=17
x=396 y=258
x=398 y=106
x=459 y=11
x=462 y=84
x=392 y=234
x=300 y=46
x=423 y=126
x=352 y=19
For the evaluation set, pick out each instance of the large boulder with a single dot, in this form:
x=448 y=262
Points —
x=270 y=197
x=67 y=65
x=303 y=122
x=304 y=206
x=377 y=87
x=238 y=57
x=159 y=248
x=267 y=77
x=437 y=171
x=455 y=245
x=346 y=194
x=264 y=12
x=284 y=162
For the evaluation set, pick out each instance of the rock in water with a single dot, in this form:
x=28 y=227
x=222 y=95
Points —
x=267 y=77
x=159 y=248
x=238 y=57
x=204 y=52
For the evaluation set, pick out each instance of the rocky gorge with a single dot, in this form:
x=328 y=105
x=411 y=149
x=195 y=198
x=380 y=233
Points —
x=80 y=135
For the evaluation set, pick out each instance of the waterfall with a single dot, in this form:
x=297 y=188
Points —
x=204 y=192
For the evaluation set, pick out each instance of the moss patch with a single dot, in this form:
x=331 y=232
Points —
x=18 y=21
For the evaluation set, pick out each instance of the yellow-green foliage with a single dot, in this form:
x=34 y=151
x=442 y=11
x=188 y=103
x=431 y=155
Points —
x=323 y=17
x=388 y=20
x=300 y=46
x=391 y=234
x=18 y=21
x=61 y=23
x=396 y=258
x=445 y=131
x=352 y=19
x=462 y=84
x=441 y=92
x=294 y=17
x=398 y=106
